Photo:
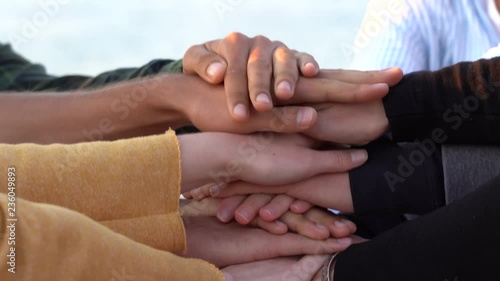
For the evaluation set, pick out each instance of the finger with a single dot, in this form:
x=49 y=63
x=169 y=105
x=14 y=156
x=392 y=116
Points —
x=319 y=90
x=235 y=81
x=285 y=71
x=198 y=193
x=260 y=70
x=289 y=119
x=303 y=226
x=300 y=206
x=336 y=161
x=249 y=209
x=206 y=207
x=390 y=76
x=308 y=66
x=338 y=226
x=310 y=266
x=279 y=205
x=291 y=244
x=226 y=209
x=275 y=227
x=205 y=63
x=201 y=192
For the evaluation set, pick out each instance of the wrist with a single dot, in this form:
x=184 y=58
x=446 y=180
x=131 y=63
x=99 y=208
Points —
x=169 y=99
x=206 y=158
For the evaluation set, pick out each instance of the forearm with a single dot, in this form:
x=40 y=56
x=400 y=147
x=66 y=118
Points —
x=54 y=243
x=459 y=241
x=398 y=179
x=457 y=104
x=127 y=109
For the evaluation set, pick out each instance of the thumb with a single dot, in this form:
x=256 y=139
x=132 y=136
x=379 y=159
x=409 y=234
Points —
x=205 y=63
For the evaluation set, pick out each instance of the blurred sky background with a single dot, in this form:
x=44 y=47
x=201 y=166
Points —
x=92 y=36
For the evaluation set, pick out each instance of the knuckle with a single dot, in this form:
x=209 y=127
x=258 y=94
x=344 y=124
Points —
x=339 y=159
x=235 y=70
x=261 y=39
x=236 y=37
x=261 y=63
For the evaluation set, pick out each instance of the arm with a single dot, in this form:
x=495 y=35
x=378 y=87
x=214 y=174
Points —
x=17 y=74
x=56 y=243
x=457 y=104
x=102 y=179
x=456 y=242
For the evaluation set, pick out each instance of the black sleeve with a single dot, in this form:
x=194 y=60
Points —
x=398 y=179
x=457 y=104
x=459 y=242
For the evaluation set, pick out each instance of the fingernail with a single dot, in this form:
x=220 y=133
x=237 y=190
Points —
x=389 y=69
x=305 y=117
x=214 y=190
x=240 y=110
x=340 y=224
x=279 y=223
x=359 y=156
x=268 y=212
x=320 y=226
x=284 y=86
x=380 y=85
x=244 y=215
x=263 y=98
x=344 y=241
x=310 y=65
x=346 y=222
x=214 y=68
x=224 y=215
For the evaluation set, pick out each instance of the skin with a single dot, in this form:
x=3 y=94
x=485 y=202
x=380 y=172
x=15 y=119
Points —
x=151 y=105
x=314 y=223
x=219 y=61
x=270 y=160
x=232 y=243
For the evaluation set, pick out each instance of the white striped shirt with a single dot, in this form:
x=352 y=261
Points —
x=433 y=34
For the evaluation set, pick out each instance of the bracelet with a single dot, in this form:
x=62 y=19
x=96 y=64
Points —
x=327 y=268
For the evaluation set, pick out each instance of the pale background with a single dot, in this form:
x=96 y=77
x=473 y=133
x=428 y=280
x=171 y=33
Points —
x=91 y=36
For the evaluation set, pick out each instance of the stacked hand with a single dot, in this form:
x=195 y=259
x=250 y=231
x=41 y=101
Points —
x=276 y=186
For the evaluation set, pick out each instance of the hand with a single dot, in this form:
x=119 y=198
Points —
x=248 y=67
x=294 y=268
x=314 y=223
x=204 y=106
x=326 y=190
x=232 y=243
x=263 y=159
x=354 y=123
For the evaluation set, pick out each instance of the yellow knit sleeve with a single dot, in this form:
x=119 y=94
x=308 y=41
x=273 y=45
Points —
x=54 y=243
x=131 y=185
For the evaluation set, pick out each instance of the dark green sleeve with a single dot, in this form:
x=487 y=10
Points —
x=19 y=74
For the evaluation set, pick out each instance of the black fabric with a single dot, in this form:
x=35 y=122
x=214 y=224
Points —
x=457 y=242
x=398 y=179
x=457 y=104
